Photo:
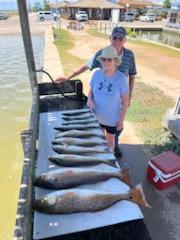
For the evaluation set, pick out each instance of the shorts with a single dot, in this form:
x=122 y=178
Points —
x=111 y=130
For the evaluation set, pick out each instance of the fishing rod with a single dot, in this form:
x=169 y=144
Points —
x=58 y=87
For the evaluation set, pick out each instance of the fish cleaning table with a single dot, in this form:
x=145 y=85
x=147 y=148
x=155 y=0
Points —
x=47 y=226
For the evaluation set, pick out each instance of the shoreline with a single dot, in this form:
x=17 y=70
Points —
x=11 y=26
x=51 y=60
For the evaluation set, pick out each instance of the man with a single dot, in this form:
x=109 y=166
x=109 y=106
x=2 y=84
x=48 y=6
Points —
x=127 y=66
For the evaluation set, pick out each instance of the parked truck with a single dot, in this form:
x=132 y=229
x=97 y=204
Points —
x=81 y=16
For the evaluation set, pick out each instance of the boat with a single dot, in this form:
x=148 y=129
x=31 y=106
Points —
x=171 y=120
x=121 y=221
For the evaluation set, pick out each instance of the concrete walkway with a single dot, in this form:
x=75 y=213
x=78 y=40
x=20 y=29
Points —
x=52 y=62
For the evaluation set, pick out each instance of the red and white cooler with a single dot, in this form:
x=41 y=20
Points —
x=164 y=170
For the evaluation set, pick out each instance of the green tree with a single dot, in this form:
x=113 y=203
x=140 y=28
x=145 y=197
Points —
x=46 y=5
x=167 y=4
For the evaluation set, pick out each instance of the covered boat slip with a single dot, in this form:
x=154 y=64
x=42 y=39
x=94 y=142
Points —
x=46 y=225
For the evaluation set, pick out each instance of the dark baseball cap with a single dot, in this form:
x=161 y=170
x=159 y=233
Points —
x=118 y=32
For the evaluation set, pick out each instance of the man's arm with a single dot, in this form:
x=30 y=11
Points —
x=91 y=64
x=125 y=102
x=132 y=74
x=75 y=73
x=131 y=86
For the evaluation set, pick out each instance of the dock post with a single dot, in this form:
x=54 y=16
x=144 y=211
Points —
x=23 y=228
x=23 y=14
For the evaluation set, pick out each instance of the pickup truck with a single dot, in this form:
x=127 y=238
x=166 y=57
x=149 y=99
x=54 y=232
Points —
x=148 y=18
x=81 y=16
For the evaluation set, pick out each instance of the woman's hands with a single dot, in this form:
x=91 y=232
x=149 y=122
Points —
x=90 y=103
x=61 y=79
x=120 y=126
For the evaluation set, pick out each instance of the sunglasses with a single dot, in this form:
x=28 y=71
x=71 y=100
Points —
x=118 y=38
x=106 y=59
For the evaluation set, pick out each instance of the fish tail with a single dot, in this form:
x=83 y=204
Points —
x=51 y=159
x=112 y=163
x=136 y=195
x=35 y=182
x=124 y=176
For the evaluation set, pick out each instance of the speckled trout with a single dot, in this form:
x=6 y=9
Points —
x=80 y=149
x=79 y=134
x=72 y=177
x=89 y=121
x=76 y=112
x=90 y=142
x=71 y=160
x=77 y=126
x=85 y=116
x=83 y=200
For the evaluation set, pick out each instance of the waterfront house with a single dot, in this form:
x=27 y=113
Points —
x=98 y=10
x=173 y=19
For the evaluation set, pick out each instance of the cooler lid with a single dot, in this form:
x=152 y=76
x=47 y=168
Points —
x=167 y=162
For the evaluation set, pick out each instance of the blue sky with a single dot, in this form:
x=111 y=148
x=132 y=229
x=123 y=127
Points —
x=12 y=4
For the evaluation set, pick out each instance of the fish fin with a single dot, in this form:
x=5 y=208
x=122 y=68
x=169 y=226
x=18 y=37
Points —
x=125 y=177
x=137 y=195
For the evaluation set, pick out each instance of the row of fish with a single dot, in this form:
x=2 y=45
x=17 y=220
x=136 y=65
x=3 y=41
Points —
x=73 y=139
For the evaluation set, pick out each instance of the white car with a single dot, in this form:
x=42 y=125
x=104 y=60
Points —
x=148 y=18
x=47 y=15
x=81 y=16
x=3 y=15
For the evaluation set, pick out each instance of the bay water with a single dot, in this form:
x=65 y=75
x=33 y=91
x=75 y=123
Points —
x=15 y=108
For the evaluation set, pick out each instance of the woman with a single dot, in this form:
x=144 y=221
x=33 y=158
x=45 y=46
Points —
x=109 y=94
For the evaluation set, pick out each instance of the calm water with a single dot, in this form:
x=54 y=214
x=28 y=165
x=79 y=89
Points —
x=15 y=106
x=171 y=39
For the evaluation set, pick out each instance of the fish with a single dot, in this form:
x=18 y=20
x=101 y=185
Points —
x=79 y=117
x=71 y=160
x=79 y=133
x=79 y=122
x=77 y=126
x=76 y=112
x=90 y=142
x=72 y=177
x=79 y=149
x=83 y=200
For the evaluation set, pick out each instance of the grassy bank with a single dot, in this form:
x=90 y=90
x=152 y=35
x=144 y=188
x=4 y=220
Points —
x=139 y=42
x=95 y=33
x=154 y=46
x=146 y=112
x=64 y=42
